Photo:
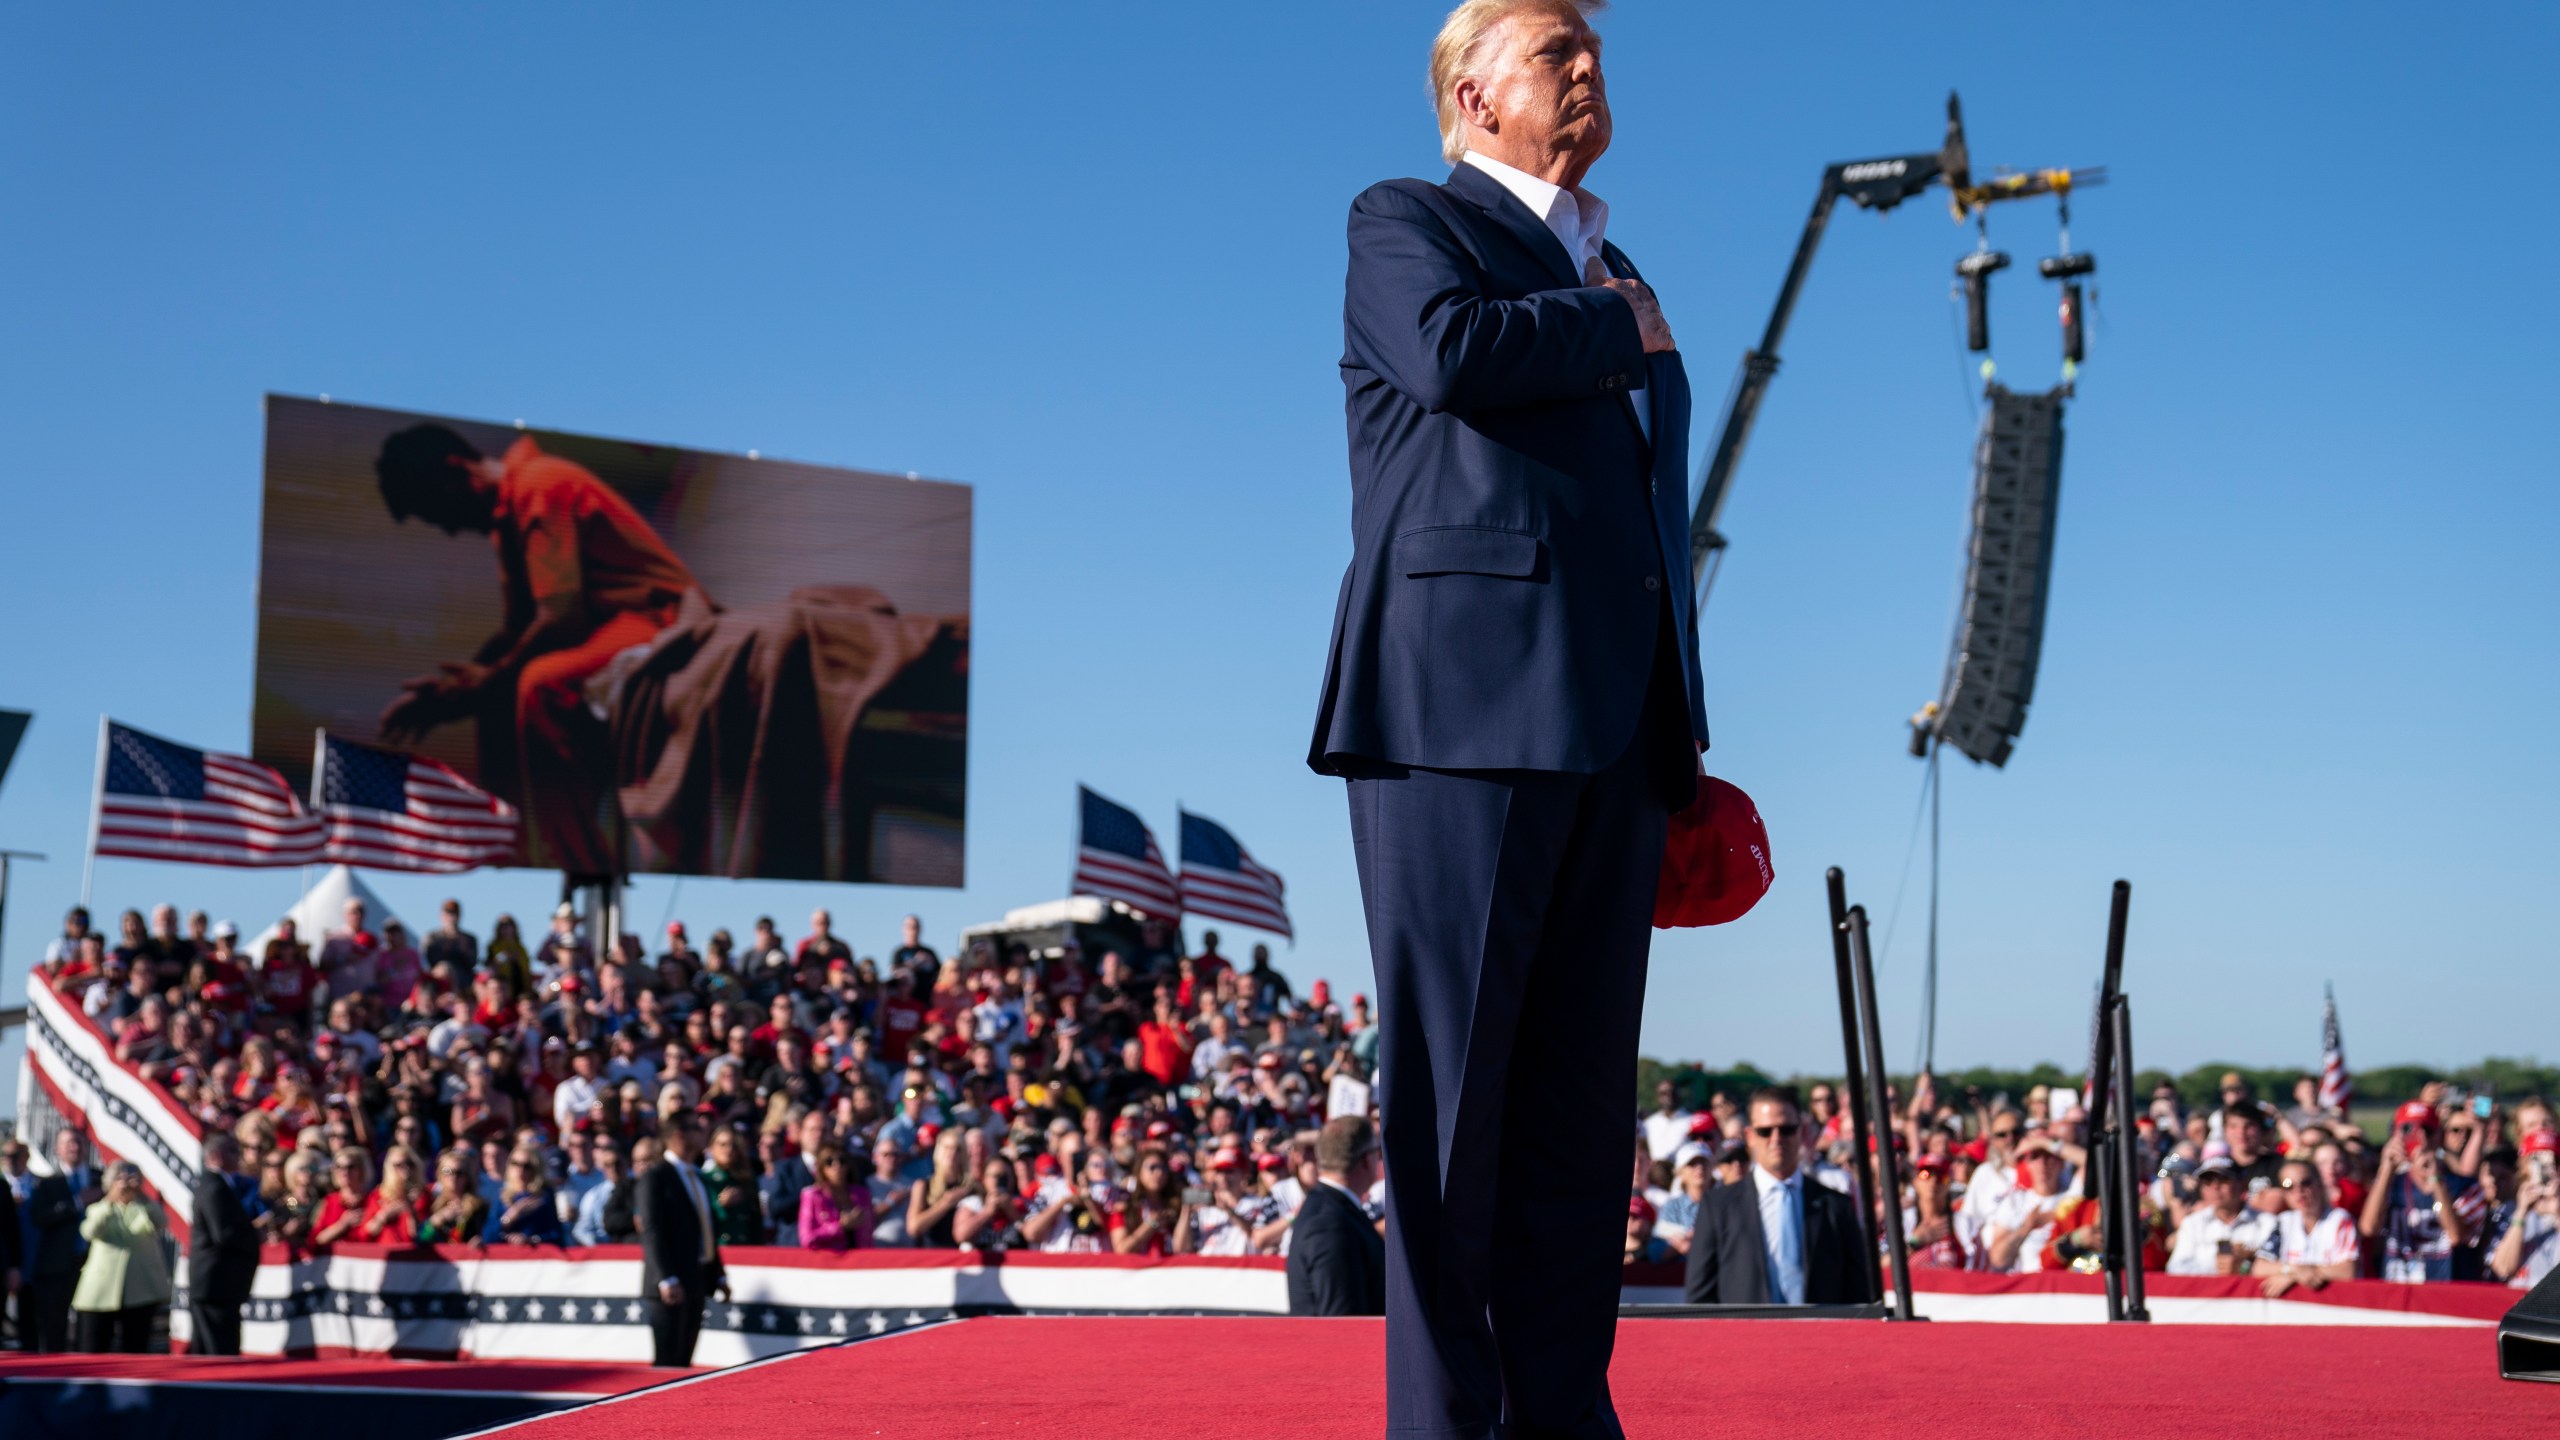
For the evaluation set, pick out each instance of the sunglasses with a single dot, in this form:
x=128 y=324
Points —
x=2009 y=1134
x=1771 y=1132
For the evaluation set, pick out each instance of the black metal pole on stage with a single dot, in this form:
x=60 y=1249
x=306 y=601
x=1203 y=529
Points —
x=1888 y=1181
x=2127 y=1201
x=1855 y=1085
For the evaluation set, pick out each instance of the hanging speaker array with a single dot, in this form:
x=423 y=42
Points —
x=1991 y=668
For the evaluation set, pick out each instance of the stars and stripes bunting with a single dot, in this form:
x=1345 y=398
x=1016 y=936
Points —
x=1117 y=858
x=2336 y=1086
x=1221 y=881
x=392 y=811
x=160 y=800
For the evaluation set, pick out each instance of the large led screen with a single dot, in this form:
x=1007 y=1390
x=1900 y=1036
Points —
x=670 y=660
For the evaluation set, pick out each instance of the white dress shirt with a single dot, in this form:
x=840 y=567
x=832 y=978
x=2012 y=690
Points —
x=1782 y=1234
x=1579 y=220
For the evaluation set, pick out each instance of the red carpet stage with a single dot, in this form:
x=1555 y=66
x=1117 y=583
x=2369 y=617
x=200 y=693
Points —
x=153 y=1397
x=1179 y=1379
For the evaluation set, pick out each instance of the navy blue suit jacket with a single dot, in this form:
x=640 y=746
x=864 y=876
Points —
x=1514 y=535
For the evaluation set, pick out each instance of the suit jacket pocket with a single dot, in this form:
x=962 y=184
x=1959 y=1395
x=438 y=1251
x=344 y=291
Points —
x=1467 y=550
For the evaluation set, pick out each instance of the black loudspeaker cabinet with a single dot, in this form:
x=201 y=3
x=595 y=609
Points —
x=2017 y=487
x=2529 y=1338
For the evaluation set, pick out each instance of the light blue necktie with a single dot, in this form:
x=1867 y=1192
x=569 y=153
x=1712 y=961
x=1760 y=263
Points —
x=1784 y=1233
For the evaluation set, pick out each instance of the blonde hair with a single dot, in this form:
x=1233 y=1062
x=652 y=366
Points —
x=1461 y=36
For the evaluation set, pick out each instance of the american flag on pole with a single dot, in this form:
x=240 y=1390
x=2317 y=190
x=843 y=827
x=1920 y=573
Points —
x=1117 y=858
x=2335 y=1084
x=159 y=800
x=390 y=811
x=1221 y=881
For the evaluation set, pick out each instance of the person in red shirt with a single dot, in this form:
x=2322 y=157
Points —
x=493 y=1002
x=291 y=1105
x=583 y=576
x=1209 y=964
x=287 y=978
x=222 y=968
x=901 y=1018
x=1165 y=1043
x=1153 y=1220
x=397 y=1206
x=349 y=1194
x=781 y=1018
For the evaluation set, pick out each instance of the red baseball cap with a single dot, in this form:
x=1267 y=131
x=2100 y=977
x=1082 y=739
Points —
x=675 y=927
x=1159 y=1129
x=1269 y=1163
x=1320 y=994
x=2540 y=1142
x=1715 y=860
x=1639 y=1207
x=1227 y=1160
x=2414 y=1112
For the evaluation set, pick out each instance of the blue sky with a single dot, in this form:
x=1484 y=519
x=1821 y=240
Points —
x=2300 y=668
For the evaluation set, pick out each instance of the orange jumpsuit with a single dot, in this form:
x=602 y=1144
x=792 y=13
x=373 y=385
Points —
x=574 y=552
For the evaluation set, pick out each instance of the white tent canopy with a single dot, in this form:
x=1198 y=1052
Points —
x=322 y=909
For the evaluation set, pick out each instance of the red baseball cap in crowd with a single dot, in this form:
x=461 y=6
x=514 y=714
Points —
x=1933 y=1164
x=2540 y=1142
x=1715 y=860
x=1227 y=1160
x=1639 y=1208
x=1269 y=1164
x=1270 y=1060
x=675 y=927
x=1044 y=1165
x=1702 y=1124
x=1158 y=1130
x=1320 y=994
x=2414 y=1112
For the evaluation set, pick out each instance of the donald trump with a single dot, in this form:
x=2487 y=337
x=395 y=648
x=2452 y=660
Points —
x=1513 y=697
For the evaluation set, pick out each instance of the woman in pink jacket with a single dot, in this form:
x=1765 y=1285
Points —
x=835 y=1212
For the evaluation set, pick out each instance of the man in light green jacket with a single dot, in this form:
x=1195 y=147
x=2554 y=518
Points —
x=125 y=1280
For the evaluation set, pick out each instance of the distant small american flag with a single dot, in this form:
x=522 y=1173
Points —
x=1221 y=881
x=159 y=800
x=2335 y=1084
x=389 y=811
x=1117 y=858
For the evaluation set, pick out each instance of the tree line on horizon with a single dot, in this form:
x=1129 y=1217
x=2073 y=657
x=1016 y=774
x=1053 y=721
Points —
x=2504 y=1079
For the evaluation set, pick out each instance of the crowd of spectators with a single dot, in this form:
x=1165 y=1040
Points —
x=396 y=1089
x=2462 y=1188
x=446 y=1088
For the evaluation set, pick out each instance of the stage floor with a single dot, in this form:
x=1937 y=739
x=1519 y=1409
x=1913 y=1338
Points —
x=154 y=1397
x=1177 y=1379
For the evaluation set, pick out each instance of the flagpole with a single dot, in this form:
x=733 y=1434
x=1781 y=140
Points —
x=319 y=763
x=97 y=808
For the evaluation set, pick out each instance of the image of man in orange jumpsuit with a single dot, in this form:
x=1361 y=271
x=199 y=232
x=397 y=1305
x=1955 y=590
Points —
x=585 y=578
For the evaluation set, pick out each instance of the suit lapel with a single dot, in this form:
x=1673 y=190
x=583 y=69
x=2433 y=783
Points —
x=1811 y=1228
x=1749 y=1201
x=1654 y=367
x=1504 y=209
